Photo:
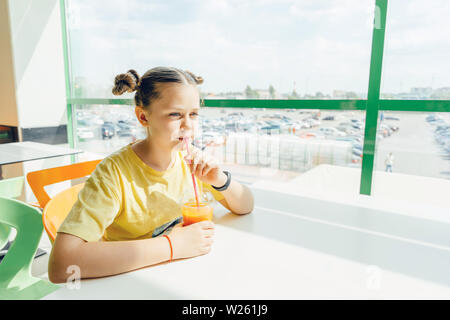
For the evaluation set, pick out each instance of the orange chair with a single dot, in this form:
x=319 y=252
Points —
x=41 y=178
x=56 y=210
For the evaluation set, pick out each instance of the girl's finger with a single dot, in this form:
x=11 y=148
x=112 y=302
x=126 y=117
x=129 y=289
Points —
x=206 y=169
x=195 y=164
x=201 y=166
x=188 y=158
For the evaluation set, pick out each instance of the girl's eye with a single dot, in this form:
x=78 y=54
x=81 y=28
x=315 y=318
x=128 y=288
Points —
x=195 y=114
x=174 y=114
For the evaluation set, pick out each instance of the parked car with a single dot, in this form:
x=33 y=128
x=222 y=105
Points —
x=356 y=159
x=357 y=152
x=387 y=129
x=328 y=118
x=298 y=125
x=84 y=133
x=391 y=118
x=383 y=132
x=438 y=122
x=306 y=124
x=355 y=140
x=330 y=131
x=308 y=135
x=83 y=123
x=108 y=130
x=392 y=127
x=447 y=146
x=267 y=127
x=442 y=127
x=276 y=117
x=231 y=126
x=358 y=125
x=442 y=136
x=432 y=116
x=126 y=128
x=235 y=115
x=245 y=124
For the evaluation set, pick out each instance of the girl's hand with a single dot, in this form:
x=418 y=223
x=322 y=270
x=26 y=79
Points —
x=193 y=240
x=205 y=168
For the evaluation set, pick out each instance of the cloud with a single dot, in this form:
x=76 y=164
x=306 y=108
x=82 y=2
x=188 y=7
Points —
x=416 y=45
x=321 y=45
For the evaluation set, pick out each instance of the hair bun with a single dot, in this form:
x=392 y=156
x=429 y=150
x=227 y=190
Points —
x=198 y=80
x=126 y=82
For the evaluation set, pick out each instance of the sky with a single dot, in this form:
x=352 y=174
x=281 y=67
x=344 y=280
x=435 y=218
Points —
x=309 y=45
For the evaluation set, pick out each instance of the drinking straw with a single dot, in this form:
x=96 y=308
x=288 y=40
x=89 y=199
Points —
x=193 y=178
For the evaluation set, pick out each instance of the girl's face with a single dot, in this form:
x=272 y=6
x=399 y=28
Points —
x=173 y=116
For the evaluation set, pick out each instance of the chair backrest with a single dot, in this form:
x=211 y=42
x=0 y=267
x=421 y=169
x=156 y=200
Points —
x=57 y=208
x=41 y=178
x=9 y=188
x=16 y=281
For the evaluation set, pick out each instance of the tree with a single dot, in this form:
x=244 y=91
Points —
x=250 y=93
x=351 y=95
x=294 y=95
x=319 y=95
x=272 y=92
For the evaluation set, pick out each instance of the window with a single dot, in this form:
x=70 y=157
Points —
x=416 y=60
x=312 y=55
x=307 y=49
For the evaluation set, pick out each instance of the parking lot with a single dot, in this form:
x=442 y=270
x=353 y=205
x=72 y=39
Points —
x=415 y=148
x=271 y=142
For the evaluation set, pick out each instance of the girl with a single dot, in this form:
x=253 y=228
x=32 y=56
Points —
x=130 y=200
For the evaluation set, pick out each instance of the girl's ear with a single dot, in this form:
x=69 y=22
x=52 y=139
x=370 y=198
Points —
x=141 y=116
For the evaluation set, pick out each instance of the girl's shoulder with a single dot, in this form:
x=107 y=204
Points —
x=115 y=160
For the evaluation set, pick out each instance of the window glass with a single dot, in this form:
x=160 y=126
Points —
x=276 y=144
x=243 y=49
x=415 y=62
x=413 y=143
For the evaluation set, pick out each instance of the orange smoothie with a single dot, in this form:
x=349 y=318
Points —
x=192 y=214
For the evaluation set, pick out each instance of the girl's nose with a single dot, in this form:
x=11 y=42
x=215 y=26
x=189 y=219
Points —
x=187 y=123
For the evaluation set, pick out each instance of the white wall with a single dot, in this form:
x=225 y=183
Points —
x=38 y=62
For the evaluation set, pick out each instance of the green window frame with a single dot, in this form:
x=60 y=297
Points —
x=371 y=105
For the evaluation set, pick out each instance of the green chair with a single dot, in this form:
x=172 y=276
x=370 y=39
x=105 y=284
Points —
x=16 y=281
x=9 y=188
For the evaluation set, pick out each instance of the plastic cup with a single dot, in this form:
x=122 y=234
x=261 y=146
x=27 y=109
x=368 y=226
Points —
x=193 y=214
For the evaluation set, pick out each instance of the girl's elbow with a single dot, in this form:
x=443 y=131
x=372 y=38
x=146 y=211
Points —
x=56 y=274
x=243 y=211
x=59 y=268
x=56 y=278
x=251 y=205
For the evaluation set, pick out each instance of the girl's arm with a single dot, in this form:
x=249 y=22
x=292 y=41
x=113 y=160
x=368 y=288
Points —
x=238 y=198
x=105 y=258
x=97 y=259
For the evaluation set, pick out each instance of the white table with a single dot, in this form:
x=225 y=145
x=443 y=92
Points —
x=25 y=151
x=16 y=152
x=297 y=248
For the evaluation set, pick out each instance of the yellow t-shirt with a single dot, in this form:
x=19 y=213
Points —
x=125 y=199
